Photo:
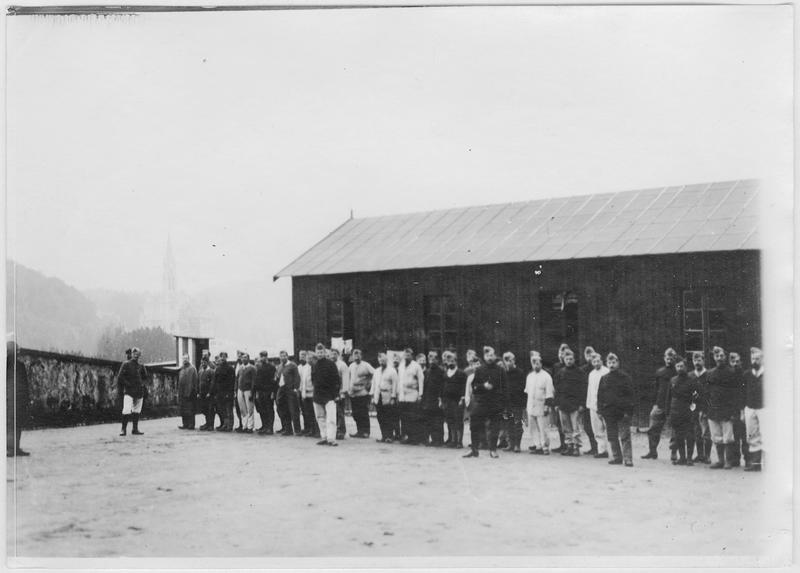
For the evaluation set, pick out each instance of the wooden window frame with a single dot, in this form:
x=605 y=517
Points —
x=708 y=302
x=440 y=320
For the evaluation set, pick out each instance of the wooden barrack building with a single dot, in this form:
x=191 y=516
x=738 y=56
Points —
x=632 y=272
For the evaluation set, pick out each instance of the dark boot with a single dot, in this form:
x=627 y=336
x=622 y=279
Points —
x=681 y=453
x=653 y=453
x=700 y=454
x=755 y=462
x=473 y=453
x=734 y=453
x=135 y=419
x=720 y=463
x=730 y=455
x=124 y=431
x=707 y=446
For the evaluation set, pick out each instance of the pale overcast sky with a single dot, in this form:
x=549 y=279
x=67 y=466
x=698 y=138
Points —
x=248 y=136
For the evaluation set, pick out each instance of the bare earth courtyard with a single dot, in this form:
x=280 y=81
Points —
x=85 y=492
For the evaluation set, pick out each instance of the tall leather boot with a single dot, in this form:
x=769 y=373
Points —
x=755 y=462
x=517 y=442
x=720 y=463
x=653 y=443
x=734 y=454
x=707 y=445
x=124 y=431
x=135 y=419
x=680 y=451
x=689 y=451
x=473 y=452
x=731 y=453
x=700 y=457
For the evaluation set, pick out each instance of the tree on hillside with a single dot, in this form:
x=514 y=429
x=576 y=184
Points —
x=156 y=345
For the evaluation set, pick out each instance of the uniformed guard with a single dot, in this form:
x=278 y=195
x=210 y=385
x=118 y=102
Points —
x=489 y=391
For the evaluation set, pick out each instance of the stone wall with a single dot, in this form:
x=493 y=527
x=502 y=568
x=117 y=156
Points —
x=72 y=390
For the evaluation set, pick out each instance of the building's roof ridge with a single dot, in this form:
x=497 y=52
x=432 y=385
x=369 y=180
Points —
x=709 y=216
x=529 y=201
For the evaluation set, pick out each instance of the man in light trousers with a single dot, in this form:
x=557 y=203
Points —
x=539 y=388
x=598 y=423
x=327 y=384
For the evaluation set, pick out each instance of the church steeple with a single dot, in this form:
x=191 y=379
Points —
x=169 y=291
x=168 y=280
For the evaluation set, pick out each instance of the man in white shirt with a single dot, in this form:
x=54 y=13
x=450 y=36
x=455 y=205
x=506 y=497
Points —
x=598 y=424
x=409 y=396
x=753 y=407
x=310 y=427
x=540 y=391
x=384 y=396
x=344 y=376
x=360 y=376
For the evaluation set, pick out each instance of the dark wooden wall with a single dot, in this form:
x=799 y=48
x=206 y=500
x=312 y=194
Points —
x=629 y=305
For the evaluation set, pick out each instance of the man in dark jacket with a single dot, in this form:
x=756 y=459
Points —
x=683 y=392
x=555 y=418
x=17 y=400
x=287 y=398
x=452 y=399
x=327 y=384
x=489 y=392
x=753 y=404
x=131 y=385
x=723 y=390
x=188 y=388
x=570 y=385
x=206 y=391
x=224 y=387
x=432 y=414
x=517 y=401
x=615 y=405
x=265 y=388
x=658 y=414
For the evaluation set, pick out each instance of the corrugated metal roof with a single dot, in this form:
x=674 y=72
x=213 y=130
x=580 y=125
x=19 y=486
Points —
x=704 y=217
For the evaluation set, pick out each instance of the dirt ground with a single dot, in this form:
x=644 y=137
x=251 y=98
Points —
x=86 y=492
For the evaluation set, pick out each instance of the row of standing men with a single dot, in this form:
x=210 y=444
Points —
x=416 y=398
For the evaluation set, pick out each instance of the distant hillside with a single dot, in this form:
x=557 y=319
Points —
x=45 y=313
x=51 y=315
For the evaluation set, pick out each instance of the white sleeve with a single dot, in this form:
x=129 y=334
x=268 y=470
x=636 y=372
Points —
x=468 y=390
x=346 y=379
